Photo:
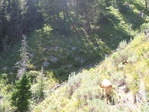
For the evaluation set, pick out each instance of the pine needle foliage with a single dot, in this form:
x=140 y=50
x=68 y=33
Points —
x=21 y=94
x=23 y=63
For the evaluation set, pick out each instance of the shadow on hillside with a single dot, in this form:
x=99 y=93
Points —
x=141 y=8
x=87 y=53
x=111 y=34
x=8 y=62
x=112 y=31
x=80 y=50
x=133 y=19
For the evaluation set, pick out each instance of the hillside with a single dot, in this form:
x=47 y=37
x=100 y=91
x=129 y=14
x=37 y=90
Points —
x=63 y=53
x=127 y=68
x=61 y=50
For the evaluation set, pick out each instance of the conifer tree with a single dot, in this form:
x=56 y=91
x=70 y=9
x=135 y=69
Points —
x=23 y=63
x=21 y=94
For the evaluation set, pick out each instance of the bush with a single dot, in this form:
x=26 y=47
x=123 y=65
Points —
x=40 y=85
x=32 y=75
x=5 y=91
x=122 y=44
x=74 y=82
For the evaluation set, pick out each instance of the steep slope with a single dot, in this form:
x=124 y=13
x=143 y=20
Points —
x=63 y=54
x=60 y=54
x=128 y=70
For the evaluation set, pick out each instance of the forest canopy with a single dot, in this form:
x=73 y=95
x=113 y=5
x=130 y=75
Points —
x=19 y=17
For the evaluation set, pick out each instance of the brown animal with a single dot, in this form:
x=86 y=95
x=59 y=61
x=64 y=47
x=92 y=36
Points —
x=107 y=89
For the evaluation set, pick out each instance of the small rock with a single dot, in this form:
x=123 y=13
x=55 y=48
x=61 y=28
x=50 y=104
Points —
x=73 y=48
x=53 y=59
x=31 y=55
x=1 y=97
x=121 y=83
x=56 y=48
x=45 y=64
x=11 y=73
x=5 y=68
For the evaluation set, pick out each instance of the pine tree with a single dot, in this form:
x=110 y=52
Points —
x=21 y=94
x=23 y=63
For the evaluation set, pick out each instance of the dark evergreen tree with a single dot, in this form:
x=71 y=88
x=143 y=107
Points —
x=56 y=14
x=10 y=22
x=32 y=18
x=21 y=94
x=17 y=17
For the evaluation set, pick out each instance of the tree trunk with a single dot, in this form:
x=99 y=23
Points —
x=146 y=4
x=65 y=10
x=77 y=9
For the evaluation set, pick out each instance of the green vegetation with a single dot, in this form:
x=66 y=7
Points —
x=66 y=48
x=77 y=40
x=21 y=94
x=82 y=92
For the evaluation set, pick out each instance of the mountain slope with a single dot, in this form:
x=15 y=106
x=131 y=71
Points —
x=127 y=67
x=82 y=48
x=63 y=54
